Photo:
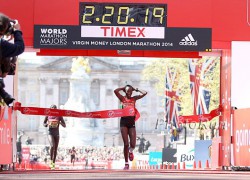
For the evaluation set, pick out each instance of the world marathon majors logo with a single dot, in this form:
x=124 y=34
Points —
x=53 y=36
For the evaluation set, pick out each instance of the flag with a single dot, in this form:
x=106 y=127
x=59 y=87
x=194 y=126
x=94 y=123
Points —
x=200 y=94
x=172 y=106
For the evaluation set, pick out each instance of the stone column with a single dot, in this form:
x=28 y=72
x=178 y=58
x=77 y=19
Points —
x=42 y=82
x=20 y=96
x=116 y=83
x=102 y=94
x=56 y=91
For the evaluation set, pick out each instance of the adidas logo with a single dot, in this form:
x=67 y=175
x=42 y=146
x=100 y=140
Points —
x=188 y=41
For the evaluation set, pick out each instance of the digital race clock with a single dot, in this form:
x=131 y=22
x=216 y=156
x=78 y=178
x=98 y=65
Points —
x=113 y=14
x=122 y=26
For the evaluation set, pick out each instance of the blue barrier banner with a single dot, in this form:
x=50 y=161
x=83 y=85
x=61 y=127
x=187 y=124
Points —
x=203 y=151
x=155 y=158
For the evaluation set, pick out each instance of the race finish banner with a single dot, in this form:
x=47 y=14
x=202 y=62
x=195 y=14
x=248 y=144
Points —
x=129 y=111
x=200 y=117
x=122 y=27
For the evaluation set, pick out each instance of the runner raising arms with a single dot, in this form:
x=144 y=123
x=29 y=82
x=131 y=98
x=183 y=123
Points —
x=127 y=123
x=53 y=122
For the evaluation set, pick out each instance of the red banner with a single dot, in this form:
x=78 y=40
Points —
x=58 y=112
x=215 y=155
x=5 y=136
x=26 y=154
x=225 y=100
x=201 y=117
x=241 y=137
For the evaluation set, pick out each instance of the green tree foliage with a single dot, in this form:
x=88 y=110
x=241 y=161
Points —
x=156 y=72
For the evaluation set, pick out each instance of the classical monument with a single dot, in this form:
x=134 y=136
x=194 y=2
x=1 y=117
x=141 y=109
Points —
x=85 y=84
x=81 y=131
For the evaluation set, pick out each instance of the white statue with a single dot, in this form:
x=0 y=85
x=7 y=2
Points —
x=80 y=68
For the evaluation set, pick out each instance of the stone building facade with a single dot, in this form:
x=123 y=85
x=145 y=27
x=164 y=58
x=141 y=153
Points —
x=48 y=82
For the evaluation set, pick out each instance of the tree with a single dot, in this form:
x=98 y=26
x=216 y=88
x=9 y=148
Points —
x=156 y=71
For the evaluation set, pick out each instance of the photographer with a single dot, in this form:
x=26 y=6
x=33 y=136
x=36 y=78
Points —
x=10 y=27
x=9 y=51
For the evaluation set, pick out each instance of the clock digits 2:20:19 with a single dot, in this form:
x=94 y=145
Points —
x=103 y=14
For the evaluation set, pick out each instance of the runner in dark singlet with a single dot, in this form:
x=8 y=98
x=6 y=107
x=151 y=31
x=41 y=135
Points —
x=127 y=123
x=72 y=155
x=53 y=123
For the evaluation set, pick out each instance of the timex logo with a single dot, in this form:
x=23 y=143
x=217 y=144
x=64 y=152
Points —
x=123 y=31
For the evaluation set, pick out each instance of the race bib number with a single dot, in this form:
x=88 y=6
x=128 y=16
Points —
x=53 y=124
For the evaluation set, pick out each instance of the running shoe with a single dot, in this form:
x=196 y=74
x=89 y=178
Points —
x=131 y=156
x=52 y=166
x=126 y=167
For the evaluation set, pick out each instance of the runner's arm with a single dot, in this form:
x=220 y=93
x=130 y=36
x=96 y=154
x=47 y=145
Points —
x=62 y=122
x=45 y=122
x=118 y=94
x=141 y=95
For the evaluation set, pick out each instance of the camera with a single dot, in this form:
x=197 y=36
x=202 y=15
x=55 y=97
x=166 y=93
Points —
x=10 y=28
x=8 y=99
x=7 y=25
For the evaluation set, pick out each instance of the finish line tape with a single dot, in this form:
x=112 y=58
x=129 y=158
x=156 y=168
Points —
x=69 y=113
x=200 y=117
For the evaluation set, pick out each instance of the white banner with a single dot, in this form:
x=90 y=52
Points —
x=185 y=153
x=123 y=32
